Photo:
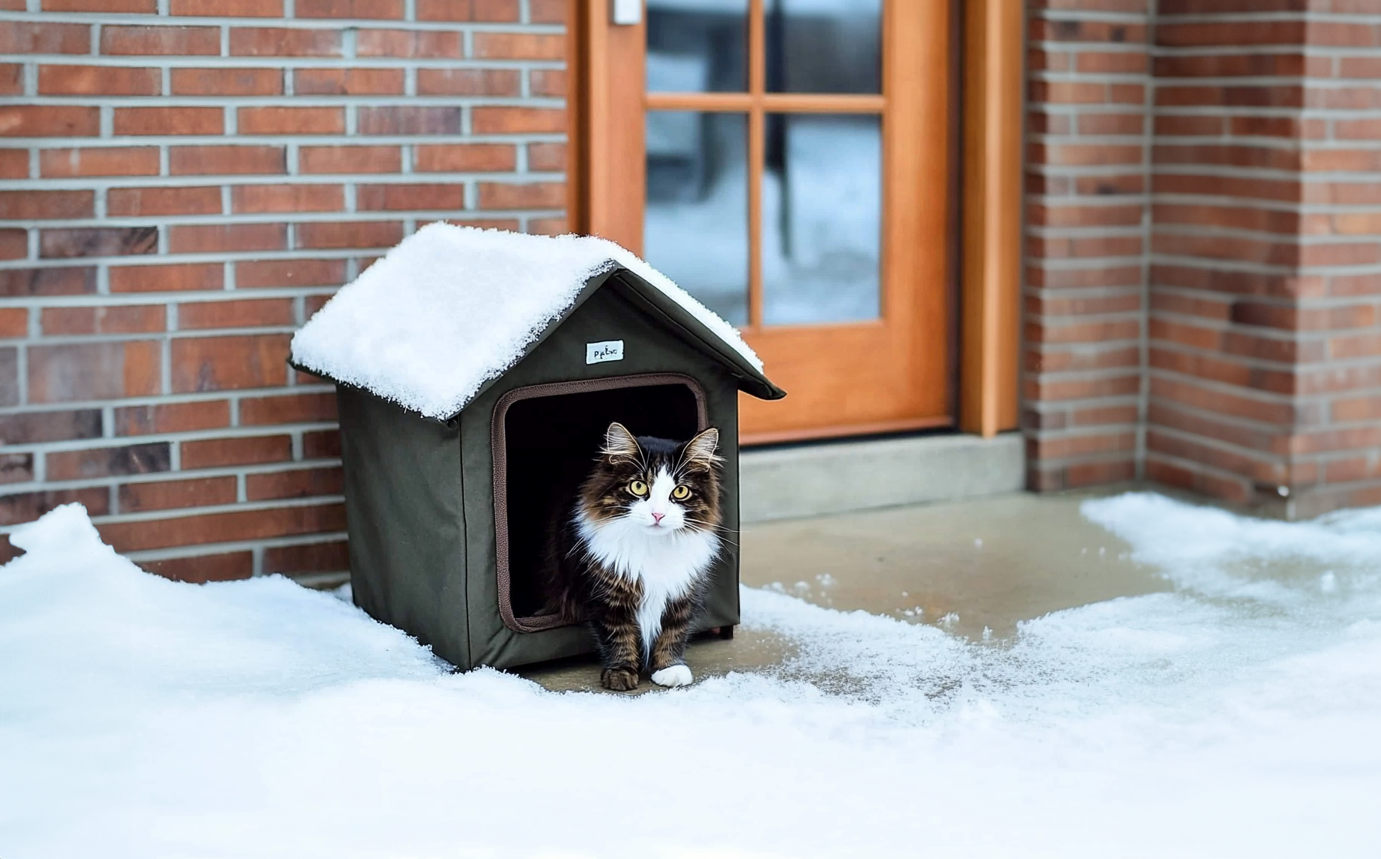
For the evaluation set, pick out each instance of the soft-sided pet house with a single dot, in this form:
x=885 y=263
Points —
x=476 y=372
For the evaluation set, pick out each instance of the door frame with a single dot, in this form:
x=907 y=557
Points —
x=989 y=243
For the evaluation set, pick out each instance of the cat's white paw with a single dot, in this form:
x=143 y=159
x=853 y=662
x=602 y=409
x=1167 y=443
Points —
x=676 y=675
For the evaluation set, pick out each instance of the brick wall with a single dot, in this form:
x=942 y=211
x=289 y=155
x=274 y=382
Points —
x=184 y=183
x=1087 y=214
x=1262 y=367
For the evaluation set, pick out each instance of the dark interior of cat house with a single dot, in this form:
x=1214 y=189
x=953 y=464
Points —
x=546 y=439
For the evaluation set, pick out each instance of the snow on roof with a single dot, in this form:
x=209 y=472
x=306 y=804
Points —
x=451 y=308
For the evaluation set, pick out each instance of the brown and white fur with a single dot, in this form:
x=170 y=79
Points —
x=634 y=554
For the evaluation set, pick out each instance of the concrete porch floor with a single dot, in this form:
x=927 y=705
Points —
x=966 y=566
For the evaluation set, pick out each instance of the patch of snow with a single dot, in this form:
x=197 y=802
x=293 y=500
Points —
x=144 y=717
x=451 y=308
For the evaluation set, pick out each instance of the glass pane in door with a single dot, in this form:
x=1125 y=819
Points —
x=697 y=46
x=821 y=218
x=825 y=46
x=695 y=222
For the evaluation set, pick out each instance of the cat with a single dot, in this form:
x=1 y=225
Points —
x=632 y=554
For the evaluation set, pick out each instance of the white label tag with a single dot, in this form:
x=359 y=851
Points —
x=605 y=350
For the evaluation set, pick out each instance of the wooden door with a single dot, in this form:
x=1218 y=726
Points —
x=788 y=162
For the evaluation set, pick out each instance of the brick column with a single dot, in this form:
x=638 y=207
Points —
x=181 y=189
x=1085 y=243
x=1265 y=350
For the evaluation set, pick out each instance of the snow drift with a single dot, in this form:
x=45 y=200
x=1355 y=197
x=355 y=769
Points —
x=1234 y=716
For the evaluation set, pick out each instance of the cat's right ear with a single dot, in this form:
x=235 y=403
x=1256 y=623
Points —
x=619 y=443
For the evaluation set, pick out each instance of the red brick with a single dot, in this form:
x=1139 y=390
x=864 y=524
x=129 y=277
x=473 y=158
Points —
x=131 y=7
x=228 y=8
x=229 y=363
x=200 y=569
x=548 y=82
x=249 y=313
x=518 y=120
x=350 y=159
x=28 y=506
x=349 y=8
x=549 y=226
x=470 y=10
x=14 y=244
x=1237 y=33
x=495 y=82
x=252 y=274
x=287 y=198
x=542 y=195
x=47 y=37
x=411 y=197
x=169 y=120
x=519 y=46
x=327 y=557
x=291 y=120
x=227 y=160
x=409 y=120
x=227 y=81
x=232 y=526
x=219 y=238
x=164 y=200
x=349 y=234
x=14 y=163
x=548 y=11
x=167 y=278
x=45 y=205
x=99 y=161
x=29 y=282
x=99 y=80
x=284 y=42
x=16 y=467
x=39 y=427
x=119 y=40
x=150 y=458
x=348 y=81
x=172 y=494
x=1357 y=409
x=465 y=158
x=549 y=157
x=409 y=43
x=288 y=409
x=172 y=417
x=14 y=322
x=220 y=452
x=300 y=483
x=97 y=242
x=93 y=371
x=114 y=319
x=49 y=120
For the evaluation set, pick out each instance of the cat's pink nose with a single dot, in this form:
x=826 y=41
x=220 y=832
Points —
x=657 y=518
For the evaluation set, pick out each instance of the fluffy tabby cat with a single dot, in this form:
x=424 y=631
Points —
x=633 y=556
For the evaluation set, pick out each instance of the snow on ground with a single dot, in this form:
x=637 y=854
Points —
x=1233 y=716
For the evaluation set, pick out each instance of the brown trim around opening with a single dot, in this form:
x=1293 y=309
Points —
x=498 y=443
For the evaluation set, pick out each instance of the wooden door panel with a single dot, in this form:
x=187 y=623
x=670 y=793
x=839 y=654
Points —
x=886 y=374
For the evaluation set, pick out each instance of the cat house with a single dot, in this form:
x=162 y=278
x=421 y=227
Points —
x=476 y=372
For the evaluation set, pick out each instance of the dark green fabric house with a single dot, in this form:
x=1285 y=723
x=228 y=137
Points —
x=476 y=371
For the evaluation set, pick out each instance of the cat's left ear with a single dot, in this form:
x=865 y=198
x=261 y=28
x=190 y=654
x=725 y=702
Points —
x=619 y=443
x=701 y=448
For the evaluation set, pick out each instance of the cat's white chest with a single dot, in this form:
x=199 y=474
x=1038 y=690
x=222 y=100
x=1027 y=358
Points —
x=666 y=566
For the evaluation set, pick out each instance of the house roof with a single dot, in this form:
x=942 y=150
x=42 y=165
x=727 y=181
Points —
x=451 y=309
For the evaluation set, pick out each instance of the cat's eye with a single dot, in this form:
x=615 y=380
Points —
x=638 y=488
x=681 y=493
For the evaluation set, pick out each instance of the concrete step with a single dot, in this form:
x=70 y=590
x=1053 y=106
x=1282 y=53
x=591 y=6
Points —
x=844 y=476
